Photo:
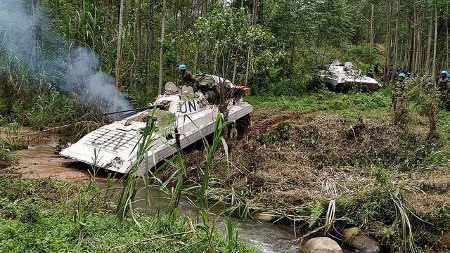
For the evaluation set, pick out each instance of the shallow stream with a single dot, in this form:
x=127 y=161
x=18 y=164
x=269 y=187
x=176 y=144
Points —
x=40 y=161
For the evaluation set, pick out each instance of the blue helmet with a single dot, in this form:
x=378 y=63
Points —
x=402 y=75
x=444 y=72
x=182 y=67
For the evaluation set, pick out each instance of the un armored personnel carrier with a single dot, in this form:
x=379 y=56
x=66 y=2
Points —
x=181 y=117
x=343 y=77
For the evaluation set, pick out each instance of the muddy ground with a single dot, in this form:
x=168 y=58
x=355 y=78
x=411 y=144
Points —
x=40 y=159
x=288 y=160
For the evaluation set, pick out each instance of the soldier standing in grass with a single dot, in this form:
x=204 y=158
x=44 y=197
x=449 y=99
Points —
x=442 y=84
x=399 y=89
x=398 y=98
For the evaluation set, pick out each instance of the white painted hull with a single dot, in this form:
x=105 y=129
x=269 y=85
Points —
x=114 y=146
x=337 y=77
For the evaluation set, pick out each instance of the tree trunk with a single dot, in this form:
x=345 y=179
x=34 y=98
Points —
x=216 y=60
x=119 y=45
x=250 y=47
x=433 y=68
x=418 y=60
x=371 y=34
x=204 y=7
x=446 y=38
x=138 y=35
x=415 y=31
x=432 y=118
x=430 y=32
x=387 y=66
x=149 y=49
x=291 y=64
x=395 y=55
x=161 y=61
x=235 y=66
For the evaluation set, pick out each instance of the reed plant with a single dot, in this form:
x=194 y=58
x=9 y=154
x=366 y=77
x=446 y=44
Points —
x=88 y=25
x=232 y=235
x=79 y=216
x=94 y=168
x=130 y=183
x=219 y=126
x=408 y=244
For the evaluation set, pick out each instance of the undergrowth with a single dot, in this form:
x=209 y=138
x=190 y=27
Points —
x=351 y=136
x=41 y=215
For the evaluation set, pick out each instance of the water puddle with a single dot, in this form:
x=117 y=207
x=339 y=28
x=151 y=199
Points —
x=40 y=160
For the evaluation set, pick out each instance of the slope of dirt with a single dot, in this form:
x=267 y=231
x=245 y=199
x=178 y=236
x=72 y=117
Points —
x=292 y=159
x=375 y=170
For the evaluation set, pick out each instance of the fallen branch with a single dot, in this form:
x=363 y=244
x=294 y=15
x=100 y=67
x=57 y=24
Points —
x=309 y=233
x=148 y=240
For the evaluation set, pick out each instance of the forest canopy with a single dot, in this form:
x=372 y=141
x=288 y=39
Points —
x=274 y=47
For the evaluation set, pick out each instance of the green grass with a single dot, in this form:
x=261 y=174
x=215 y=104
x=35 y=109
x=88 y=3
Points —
x=39 y=216
x=326 y=100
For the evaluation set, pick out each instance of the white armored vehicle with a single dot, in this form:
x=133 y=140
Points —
x=181 y=117
x=342 y=77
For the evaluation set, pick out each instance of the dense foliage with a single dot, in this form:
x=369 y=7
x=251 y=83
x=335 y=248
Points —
x=272 y=46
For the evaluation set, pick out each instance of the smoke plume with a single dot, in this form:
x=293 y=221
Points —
x=26 y=38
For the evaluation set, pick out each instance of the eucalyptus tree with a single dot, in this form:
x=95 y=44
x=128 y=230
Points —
x=119 y=45
x=222 y=39
x=161 y=50
x=307 y=31
x=420 y=40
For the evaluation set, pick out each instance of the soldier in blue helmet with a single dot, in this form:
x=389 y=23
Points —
x=442 y=87
x=399 y=89
x=370 y=73
x=186 y=76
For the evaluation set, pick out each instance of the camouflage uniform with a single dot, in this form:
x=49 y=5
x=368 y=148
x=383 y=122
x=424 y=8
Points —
x=398 y=92
x=187 y=78
x=442 y=88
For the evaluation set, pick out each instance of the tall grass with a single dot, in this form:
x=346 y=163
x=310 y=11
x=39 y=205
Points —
x=219 y=126
x=10 y=140
x=130 y=183
x=406 y=231
x=232 y=236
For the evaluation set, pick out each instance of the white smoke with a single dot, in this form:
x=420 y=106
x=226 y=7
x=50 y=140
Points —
x=25 y=37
